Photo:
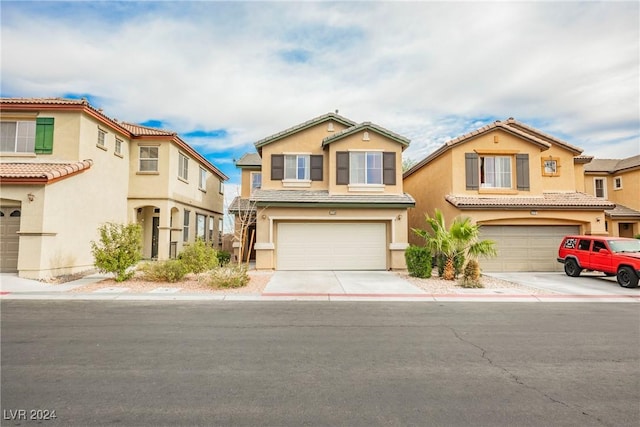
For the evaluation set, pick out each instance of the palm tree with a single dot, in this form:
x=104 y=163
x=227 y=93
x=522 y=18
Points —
x=459 y=242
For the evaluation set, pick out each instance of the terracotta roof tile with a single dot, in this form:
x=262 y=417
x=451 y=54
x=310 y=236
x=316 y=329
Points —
x=139 y=130
x=613 y=165
x=362 y=126
x=621 y=211
x=40 y=172
x=239 y=204
x=562 y=200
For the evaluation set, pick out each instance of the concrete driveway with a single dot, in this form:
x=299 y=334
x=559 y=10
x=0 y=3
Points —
x=585 y=284
x=339 y=282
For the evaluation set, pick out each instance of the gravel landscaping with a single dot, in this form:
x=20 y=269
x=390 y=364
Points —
x=196 y=283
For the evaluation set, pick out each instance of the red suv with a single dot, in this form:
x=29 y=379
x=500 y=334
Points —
x=617 y=256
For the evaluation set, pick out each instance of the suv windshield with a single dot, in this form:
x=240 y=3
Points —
x=625 y=245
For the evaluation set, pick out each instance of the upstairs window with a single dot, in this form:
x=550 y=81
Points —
x=118 y=148
x=256 y=181
x=495 y=172
x=599 y=187
x=185 y=226
x=102 y=135
x=202 y=181
x=183 y=166
x=551 y=166
x=296 y=167
x=18 y=137
x=148 y=159
x=365 y=167
x=617 y=183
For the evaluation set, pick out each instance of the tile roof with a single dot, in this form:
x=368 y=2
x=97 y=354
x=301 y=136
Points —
x=138 y=130
x=539 y=138
x=364 y=126
x=621 y=211
x=563 y=200
x=249 y=159
x=323 y=198
x=239 y=204
x=52 y=101
x=613 y=165
x=309 y=123
x=40 y=172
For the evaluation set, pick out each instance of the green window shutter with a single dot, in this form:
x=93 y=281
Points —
x=342 y=167
x=389 y=168
x=471 y=171
x=522 y=171
x=44 y=135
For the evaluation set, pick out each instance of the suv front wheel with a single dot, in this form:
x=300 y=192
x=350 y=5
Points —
x=571 y=268
x=627 y=278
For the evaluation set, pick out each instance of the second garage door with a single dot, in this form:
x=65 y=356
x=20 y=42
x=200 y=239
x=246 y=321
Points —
x=331 y=246
x=526 y=247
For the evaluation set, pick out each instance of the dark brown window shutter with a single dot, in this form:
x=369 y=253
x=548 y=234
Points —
x=342 y=167
x=471 y=171
x=522 y=171
x=316 y=167
x=277 y=167
x=389 y=168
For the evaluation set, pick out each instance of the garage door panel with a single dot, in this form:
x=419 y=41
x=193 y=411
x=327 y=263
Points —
x=331 y=246
x=525 y=248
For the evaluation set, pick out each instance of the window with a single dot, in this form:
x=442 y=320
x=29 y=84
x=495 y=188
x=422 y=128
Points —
x=599 y=187
x=256 y=181
x=183 y=166
x=18 y=137
x=584 y=245
x=220 y=187
x=202 y=181
x=220 y=230
x=118 y=149
x=200 y=227
x=365 y=167
x=617 y=183
x=495 y=171
x=101 y=137
x=148 y=159
x=551 y=166
x=185 y=226
x=598 y=246
x=296 y=167
x=211 y=223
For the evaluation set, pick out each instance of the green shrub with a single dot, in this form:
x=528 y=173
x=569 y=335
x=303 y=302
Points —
x=471 y=275
x=171 y=270
x=637 y=236
x=224 y=257
x=198 y=257
x=418 y=260
x=119 y=249
x=229 y=276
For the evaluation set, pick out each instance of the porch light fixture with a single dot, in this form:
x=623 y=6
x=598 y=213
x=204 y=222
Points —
x=264 y=216
x=31 y=197
x=399 y=217
x=598 y=219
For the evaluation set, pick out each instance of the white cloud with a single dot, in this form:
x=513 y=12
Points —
x=430 y=71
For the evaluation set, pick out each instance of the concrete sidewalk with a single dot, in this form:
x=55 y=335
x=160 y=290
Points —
x=372 y=286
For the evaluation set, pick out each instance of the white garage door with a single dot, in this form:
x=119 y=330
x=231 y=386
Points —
x=331 y=246
x=525 y=248
x=9 y=239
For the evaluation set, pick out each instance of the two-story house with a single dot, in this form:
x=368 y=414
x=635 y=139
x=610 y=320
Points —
x=66 y=168
x=524 y=187
x=327 y=195
x=617 y=180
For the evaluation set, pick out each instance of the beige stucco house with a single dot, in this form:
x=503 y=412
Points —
x=327 y=195
x=617 y=180
x=524 y=187
x=66 y=168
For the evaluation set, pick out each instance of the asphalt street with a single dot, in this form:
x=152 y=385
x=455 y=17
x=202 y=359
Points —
x=157 y=363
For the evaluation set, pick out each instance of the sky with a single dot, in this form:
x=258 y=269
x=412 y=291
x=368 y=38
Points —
x=226 y=74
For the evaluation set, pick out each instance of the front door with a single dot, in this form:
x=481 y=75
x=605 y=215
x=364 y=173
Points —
x=154 y=236
x=625 y=230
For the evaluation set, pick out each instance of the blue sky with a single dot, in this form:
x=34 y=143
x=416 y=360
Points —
x=226 y=74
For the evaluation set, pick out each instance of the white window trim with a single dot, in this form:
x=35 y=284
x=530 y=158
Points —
x=15 y=138
x=615 y=178
x=181 y=155
x=140 y=158
x=511 y=172
x=202 y=183
x=104 y=133
x=604 y=186
x=116 y=151
x=290 y=182
x=374 y=187
x=251 y=175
